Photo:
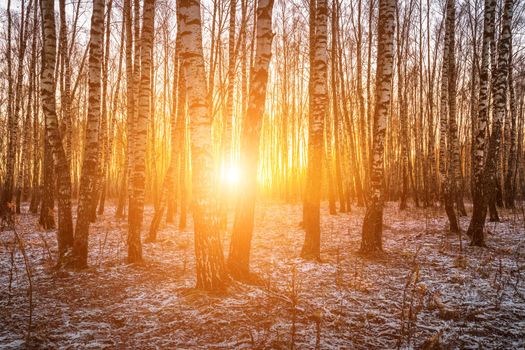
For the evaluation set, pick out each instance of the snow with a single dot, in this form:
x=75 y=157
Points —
x=469 y=300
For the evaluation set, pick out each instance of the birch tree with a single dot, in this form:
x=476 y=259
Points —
x=446 y=128
x=228 y=117
x=47 y=93
x=130 y=105
x=500 y=101
x=138 y=178
x=319 y=96
x=239 y=257
x=510 y=175
x=475 y=230
x=210 y=266
x=7 y=190
x=372 y=231
x=87 y=199
x=453 y=144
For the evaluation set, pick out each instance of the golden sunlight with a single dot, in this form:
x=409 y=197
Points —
x=266 y=174
x=232 y=175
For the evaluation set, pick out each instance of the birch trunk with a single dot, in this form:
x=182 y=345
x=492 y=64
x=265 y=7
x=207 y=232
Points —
x=475 y=230
x=130 y=105
x=371 y=240
x=228 y=117
x=61 y=165
x=485 y=166
x=210 y=267
x=66 y=92
x=446 y=163
x=500 y=106
x=239 y=257
x=456 y=181
x=312 y=241
x=90 y=164
x=511 y=160
x=6 y=205
x=138 y=174
x=22 y=45
x=47 y=216
x=335 y=107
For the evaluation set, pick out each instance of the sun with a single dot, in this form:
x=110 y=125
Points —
x=232 y=175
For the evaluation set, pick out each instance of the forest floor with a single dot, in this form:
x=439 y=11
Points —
x=422 y=292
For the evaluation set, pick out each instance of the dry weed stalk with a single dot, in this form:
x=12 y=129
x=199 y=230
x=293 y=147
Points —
x=45 y=246
x=7 y=223
x=411 y=290
x=500 y=283
x=338 y=271
x=317 y=317
x=294 y=298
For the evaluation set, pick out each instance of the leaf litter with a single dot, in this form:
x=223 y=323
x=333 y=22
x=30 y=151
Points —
x=422 y=292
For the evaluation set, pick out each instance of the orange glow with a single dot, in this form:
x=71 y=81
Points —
x=231 y=175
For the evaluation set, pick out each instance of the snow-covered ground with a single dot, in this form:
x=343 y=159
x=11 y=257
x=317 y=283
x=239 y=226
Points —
x=420 y=293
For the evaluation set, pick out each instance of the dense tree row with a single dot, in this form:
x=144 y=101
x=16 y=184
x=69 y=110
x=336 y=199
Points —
x=204 y=107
